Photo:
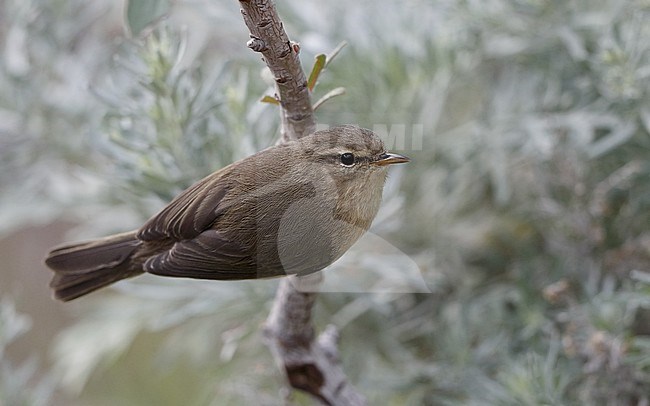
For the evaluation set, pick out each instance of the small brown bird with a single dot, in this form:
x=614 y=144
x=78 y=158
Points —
x=290 y=209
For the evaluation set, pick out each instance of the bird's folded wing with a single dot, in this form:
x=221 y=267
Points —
x=207 y=256
x=189 y=214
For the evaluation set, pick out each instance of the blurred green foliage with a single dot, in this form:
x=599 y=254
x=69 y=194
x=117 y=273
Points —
x=526 y=206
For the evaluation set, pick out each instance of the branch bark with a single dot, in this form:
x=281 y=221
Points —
x=311 y=364
x=281 y=56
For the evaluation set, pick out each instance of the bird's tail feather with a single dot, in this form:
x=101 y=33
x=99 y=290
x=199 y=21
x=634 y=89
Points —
x=81 y=268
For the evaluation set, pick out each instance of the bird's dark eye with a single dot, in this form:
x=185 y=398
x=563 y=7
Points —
x=347 y=159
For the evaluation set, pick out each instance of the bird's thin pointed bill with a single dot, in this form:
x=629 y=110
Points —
x=388 y=158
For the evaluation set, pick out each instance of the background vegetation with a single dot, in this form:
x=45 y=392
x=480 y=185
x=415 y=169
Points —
x=526 y=208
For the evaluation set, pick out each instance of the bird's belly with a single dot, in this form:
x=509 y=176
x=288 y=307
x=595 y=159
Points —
x=305 y=237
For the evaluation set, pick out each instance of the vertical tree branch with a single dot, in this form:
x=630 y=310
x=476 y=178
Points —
x=311 y=364
x=281 y=56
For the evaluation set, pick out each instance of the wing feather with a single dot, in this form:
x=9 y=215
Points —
x=190 y=213
x=207 y=256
